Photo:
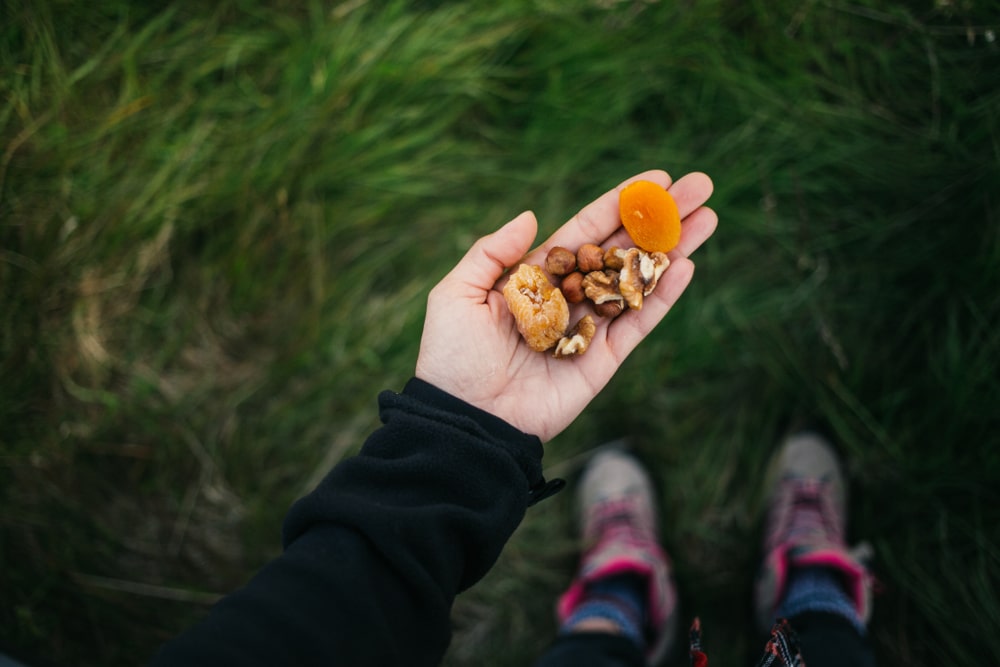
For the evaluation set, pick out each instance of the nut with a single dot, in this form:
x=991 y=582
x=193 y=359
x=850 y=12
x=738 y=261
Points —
x=560 y=261
x=577 y=340
x=610 y=309
x=572 y=287
x=639 y=275
x=590 y=257
x=602 y=286
x=614 y=258
x=539 y=309
x=660 y=264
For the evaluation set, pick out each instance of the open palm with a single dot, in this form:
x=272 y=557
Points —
x=472 y=349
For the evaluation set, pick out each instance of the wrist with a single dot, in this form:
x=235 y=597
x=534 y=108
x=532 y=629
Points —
x=432 y=394
x=526 y=449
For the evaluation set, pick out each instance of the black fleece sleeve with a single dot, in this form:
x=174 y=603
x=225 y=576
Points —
x=376 y=554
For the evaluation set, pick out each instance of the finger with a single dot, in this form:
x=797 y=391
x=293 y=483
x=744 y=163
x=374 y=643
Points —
x=697 y=228
x=628 y=330
x=689 y=192
x=599 y=219
x=491 y=255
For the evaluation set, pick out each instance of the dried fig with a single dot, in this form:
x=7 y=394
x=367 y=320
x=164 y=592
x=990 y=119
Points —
x=538 y=307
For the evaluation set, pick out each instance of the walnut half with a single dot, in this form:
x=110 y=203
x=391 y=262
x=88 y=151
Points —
x=602 y=287
x=639 y=275
x=577 y=339
x=614 y=258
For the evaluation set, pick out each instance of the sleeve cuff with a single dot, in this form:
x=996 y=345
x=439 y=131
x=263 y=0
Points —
x=525 y=448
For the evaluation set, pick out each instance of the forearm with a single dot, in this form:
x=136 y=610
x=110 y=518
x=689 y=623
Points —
x=376 y=554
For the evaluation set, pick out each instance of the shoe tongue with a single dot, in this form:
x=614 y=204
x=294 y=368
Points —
x=614 y=515
x=807 y=516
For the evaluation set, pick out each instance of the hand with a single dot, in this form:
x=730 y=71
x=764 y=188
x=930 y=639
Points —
x=472 y=349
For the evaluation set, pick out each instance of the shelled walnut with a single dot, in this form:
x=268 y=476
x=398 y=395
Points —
x=639 y=275
x=577 y=339
x=602 y=287
x=614 y=258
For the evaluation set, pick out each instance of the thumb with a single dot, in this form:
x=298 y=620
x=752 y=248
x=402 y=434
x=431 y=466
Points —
x=491 y=255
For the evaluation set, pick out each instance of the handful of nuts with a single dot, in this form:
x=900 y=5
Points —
x=611 y=280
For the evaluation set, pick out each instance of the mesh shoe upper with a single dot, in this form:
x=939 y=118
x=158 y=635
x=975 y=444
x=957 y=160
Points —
x=619 y=529
x=806 y=527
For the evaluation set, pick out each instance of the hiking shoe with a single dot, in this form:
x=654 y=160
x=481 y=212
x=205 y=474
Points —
x=618 y=521
x=806 y=526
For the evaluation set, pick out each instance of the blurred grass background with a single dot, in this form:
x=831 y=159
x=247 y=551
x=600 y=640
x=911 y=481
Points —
x=219 y=223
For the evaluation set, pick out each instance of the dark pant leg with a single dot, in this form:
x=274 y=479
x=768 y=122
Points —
x=828 y=640
x=592 y=649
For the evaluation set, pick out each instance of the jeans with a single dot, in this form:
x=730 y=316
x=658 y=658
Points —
x=827 y=640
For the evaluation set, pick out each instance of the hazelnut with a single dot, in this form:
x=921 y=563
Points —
x=572 y=287
x=560 y=261
x=590 y=257
x=611 y=309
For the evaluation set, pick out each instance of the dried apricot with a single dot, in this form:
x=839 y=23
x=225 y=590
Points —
x=650 y=216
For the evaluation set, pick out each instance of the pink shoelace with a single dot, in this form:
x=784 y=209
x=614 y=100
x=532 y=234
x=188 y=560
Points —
x=807 y=514
x=619 y=520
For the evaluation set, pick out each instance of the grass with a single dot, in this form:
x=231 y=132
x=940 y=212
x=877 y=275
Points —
x=218 y=226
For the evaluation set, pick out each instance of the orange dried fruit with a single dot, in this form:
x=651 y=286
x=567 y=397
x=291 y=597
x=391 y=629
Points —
x=650 y=216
